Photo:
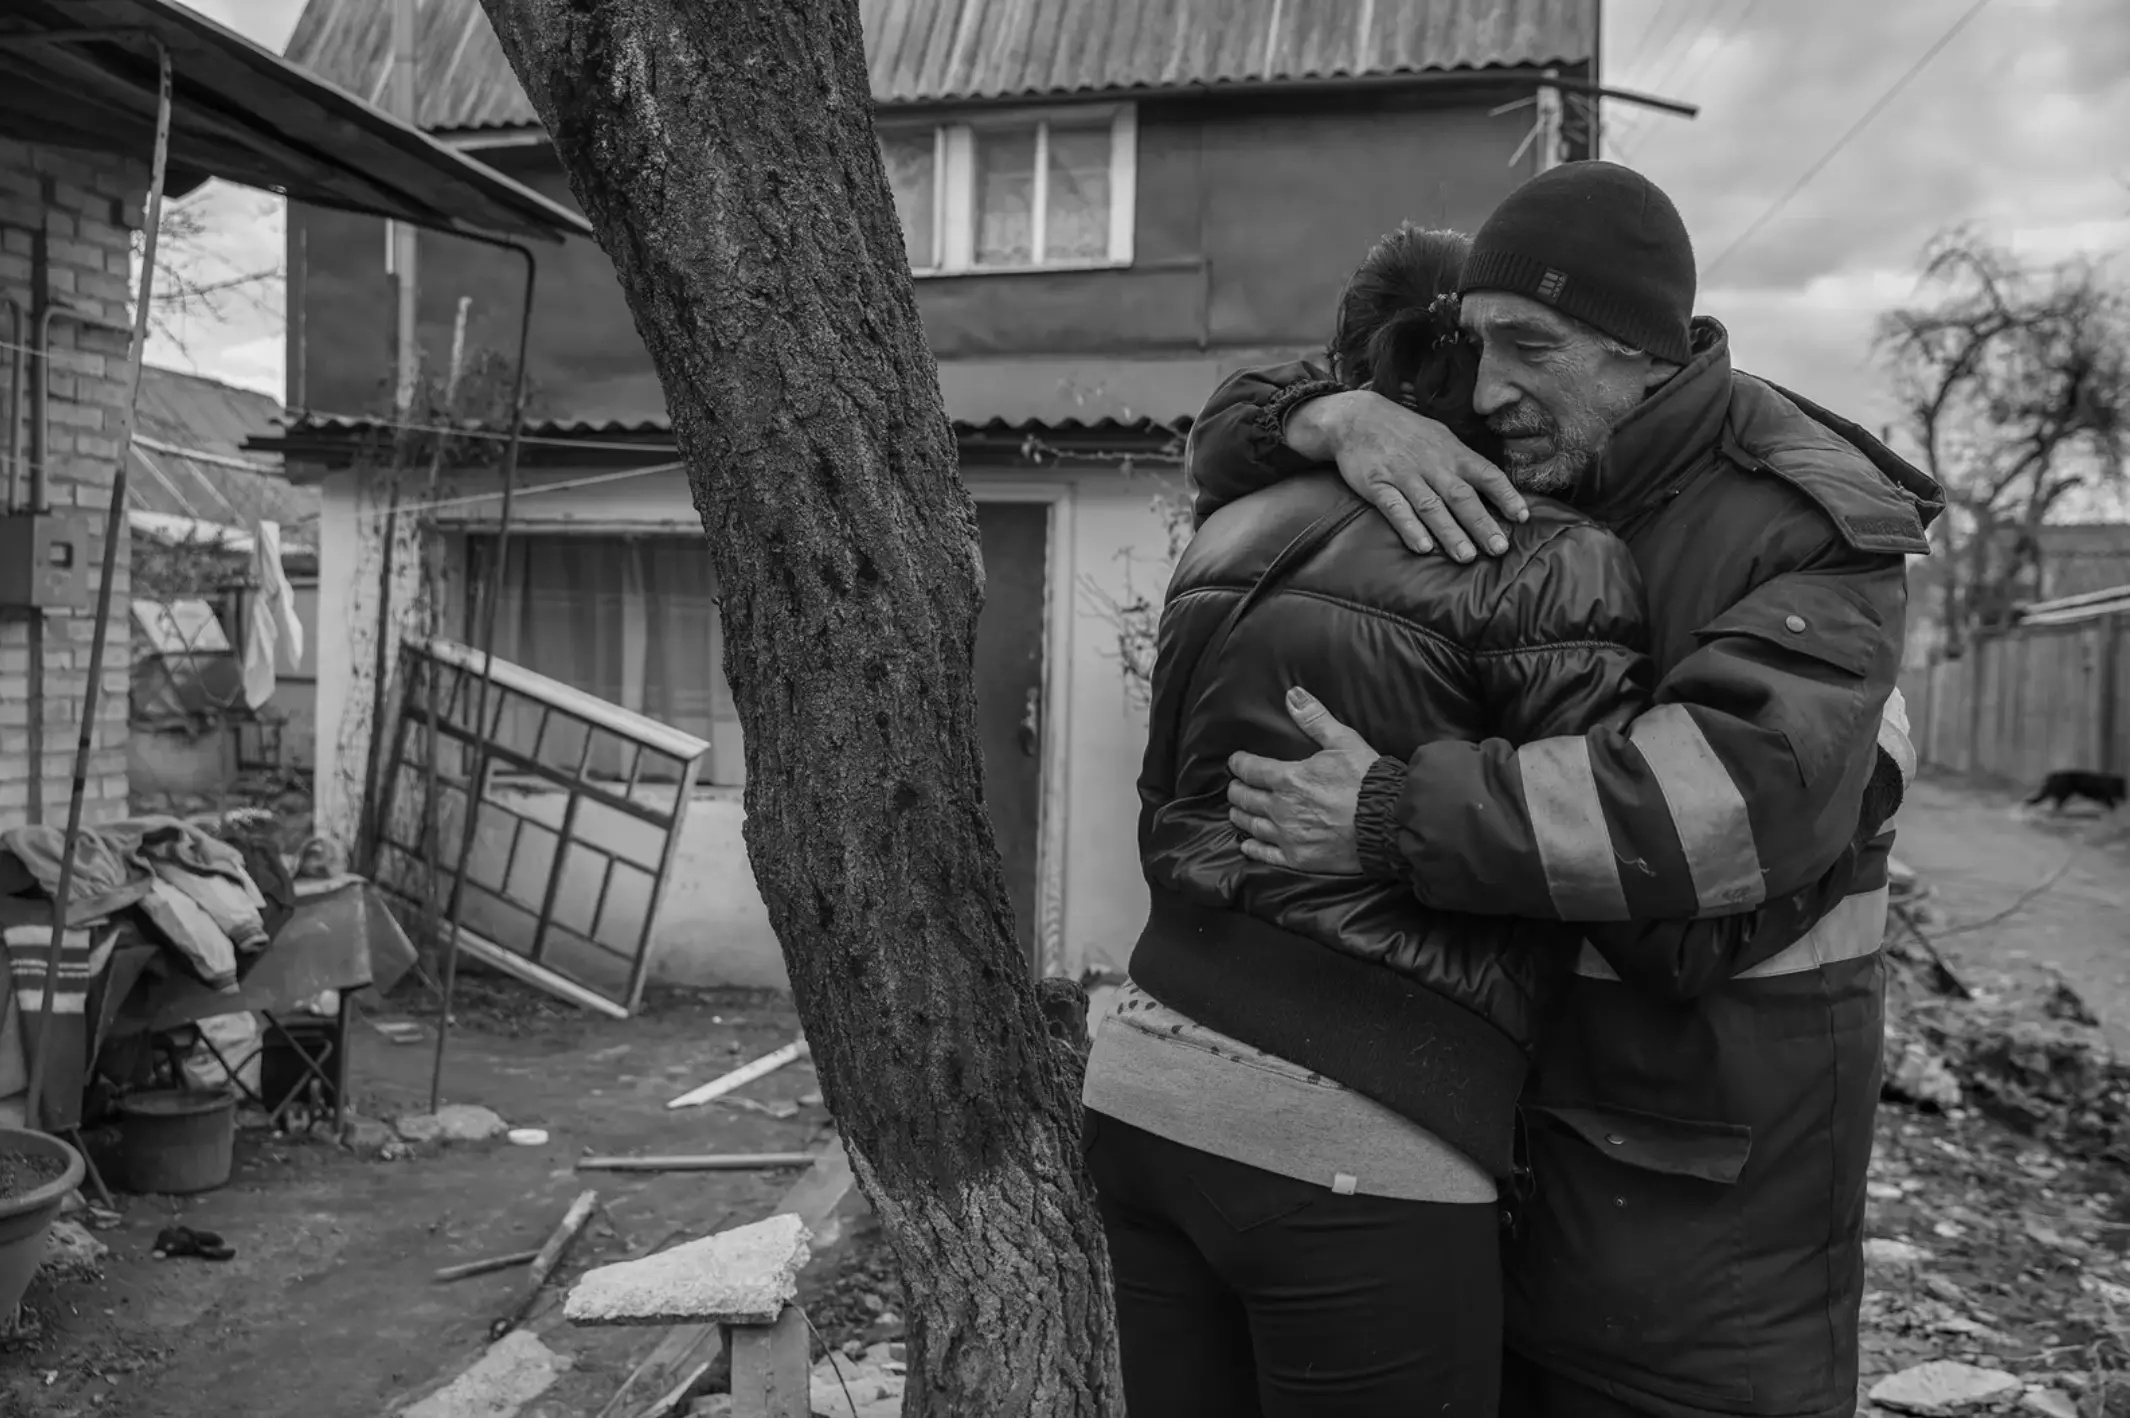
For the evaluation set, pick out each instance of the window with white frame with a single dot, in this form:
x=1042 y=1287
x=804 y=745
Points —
x=1026 y=192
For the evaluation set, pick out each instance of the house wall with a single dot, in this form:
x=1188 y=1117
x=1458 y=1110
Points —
x=713 y=928
x=66 y=220
x=1247 y=221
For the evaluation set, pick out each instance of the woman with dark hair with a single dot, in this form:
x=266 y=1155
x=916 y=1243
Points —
x=1302 y=1110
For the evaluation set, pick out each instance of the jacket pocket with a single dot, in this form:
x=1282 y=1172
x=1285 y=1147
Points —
x=1633 y=1260
x=1820 y=620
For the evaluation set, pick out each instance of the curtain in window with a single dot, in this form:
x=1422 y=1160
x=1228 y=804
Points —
x=631 y=620
x=911 y=173
x=1005 y=197
x=1076 y=204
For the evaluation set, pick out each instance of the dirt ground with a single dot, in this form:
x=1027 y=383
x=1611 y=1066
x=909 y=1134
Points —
x=1982 y=855
x=2022 y=1244
x=329 y=1310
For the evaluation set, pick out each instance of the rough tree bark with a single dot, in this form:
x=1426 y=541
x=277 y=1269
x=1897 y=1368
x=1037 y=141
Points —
x=725 y=156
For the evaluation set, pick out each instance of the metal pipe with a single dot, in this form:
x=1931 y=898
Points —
x=381 y=662
x=455 y=911
x=40 y=456
x=114 y=532
x=17 y=368
x=40 y=498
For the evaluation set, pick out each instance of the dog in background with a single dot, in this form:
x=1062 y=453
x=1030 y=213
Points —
x=2060 y=787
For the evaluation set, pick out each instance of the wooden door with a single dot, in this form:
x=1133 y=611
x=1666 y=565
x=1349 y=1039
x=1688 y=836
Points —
x=1010 y=691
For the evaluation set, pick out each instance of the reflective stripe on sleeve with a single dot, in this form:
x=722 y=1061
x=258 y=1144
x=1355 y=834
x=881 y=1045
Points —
x=1706 y=808
x=1893 y=737
x=1852 y=930
x=1568 y=826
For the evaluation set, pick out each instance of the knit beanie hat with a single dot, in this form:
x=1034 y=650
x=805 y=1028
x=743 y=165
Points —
x=1599 y=242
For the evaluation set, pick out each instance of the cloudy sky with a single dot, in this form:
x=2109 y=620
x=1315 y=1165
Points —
x=2021 y=125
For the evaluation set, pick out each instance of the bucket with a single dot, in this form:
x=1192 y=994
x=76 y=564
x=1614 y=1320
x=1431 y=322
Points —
x=178 y=1140
x=26 y=1217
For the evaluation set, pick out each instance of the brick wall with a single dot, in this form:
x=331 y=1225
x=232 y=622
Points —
x=66 y=224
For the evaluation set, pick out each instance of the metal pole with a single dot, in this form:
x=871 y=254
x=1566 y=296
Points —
x=114 y=531
x=406 y=253
x=380 y=666
x=494 y=595
x=17 y=367
x=432 y=596
x=406 y=249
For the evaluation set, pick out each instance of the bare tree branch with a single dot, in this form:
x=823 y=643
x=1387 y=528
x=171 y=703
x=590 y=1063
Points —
x=2015 y=381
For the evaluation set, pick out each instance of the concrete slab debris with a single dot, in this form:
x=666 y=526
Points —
x=1944 y=1387
x=874 y=1381
x=454 y=1122
x=517 y=1369
x=742 y=1276
x=1882 y=1251
x=71 y=1252
x=2048 y=1403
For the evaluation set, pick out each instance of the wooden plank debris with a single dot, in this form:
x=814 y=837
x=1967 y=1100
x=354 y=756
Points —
x=484 y=1267
x=742 y=1076
x=699 y=1162
x=573 y=1223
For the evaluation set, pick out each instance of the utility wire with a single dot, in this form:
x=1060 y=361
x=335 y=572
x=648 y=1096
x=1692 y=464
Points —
x=1884 y=101
x=1652 y=119
x=1649 y=29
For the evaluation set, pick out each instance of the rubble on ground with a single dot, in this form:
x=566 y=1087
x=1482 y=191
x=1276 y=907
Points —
x=1996 y=1278
x=71 y=1253
x=1944 y=1386
x=864 y=1384
x=454 y=1122
x=2037 y=1062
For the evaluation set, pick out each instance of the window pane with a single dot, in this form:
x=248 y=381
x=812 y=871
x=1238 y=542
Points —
x=684 y=677
x=568 y=606
x=1076 y=215
x=909 y=160
x=1005 y=197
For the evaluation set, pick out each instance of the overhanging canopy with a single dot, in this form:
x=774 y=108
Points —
x=82 y=74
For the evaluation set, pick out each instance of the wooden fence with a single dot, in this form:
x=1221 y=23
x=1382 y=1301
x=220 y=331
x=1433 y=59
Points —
x=2027 y=701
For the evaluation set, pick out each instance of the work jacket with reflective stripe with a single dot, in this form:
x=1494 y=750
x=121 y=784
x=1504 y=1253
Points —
x=1698 y=1125
x=1431 y=1013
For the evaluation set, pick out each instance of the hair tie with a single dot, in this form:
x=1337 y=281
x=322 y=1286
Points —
x=1443 y=312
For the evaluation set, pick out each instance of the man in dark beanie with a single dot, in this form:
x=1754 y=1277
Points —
x=1696 y=1134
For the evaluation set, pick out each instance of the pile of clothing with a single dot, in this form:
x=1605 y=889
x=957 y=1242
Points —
x=210 y=900
x=199 y=895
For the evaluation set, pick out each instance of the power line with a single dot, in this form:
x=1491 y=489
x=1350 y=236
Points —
x=1652 y=58
x=1650 y=120
x=1884 y=101
x=1635 y=50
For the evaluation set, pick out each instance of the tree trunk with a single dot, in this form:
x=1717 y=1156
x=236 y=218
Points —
x=725 y=156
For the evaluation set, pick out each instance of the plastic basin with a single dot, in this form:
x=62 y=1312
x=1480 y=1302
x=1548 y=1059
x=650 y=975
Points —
x=178 y=1140
x=25 y=1219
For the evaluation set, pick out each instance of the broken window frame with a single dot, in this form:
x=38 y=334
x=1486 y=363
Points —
x=400 y=867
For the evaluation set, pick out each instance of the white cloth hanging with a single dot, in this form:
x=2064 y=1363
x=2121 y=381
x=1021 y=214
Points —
x=272 y=628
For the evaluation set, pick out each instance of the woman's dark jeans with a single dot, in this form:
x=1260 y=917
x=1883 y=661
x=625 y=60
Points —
x=1243 y=1293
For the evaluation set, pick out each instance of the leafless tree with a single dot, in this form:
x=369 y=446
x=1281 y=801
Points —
x=193 y=281
x=2014 y=380
x=726 y=158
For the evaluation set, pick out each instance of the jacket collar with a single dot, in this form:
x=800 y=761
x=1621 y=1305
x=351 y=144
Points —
x=1666 y=434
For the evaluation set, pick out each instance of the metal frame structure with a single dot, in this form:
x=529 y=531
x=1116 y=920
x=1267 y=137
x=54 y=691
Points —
x=456 y=737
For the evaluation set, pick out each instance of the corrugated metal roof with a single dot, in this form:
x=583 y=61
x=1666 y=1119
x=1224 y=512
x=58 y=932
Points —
x=944 y=51
x=242 y=113
x=184 y=414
